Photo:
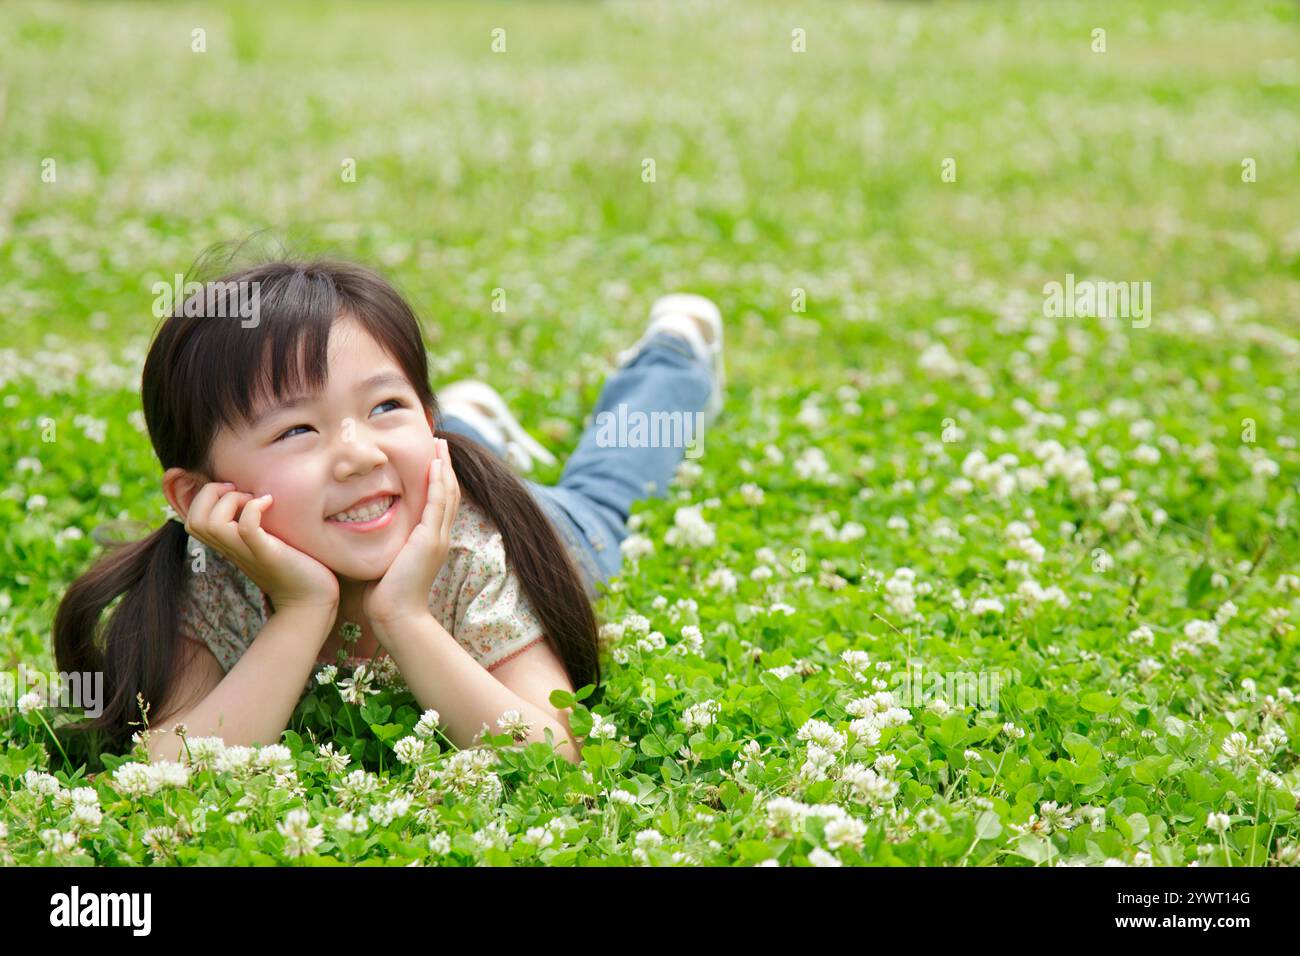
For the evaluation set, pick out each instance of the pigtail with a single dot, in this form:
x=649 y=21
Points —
x=550 y=578
x=137 y=646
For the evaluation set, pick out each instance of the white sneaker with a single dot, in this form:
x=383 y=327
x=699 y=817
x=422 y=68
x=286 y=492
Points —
x=468 y=400
x=676 y=313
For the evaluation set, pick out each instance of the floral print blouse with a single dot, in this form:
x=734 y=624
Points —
x=475 y=596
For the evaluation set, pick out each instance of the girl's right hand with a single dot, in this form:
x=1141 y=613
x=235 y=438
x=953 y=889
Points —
x=288 y=576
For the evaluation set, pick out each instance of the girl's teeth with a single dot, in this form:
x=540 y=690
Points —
x=368 y=513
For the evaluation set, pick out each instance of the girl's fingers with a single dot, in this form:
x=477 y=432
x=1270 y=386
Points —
x=250 y=525
x=224 y=510
x=434 y=506
x=453 y=501
x=229 y=531
x=200 y=510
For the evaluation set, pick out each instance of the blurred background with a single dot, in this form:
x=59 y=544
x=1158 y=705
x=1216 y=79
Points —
x=798 y=158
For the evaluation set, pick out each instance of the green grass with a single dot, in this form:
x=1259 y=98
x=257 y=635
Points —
x=775 y=172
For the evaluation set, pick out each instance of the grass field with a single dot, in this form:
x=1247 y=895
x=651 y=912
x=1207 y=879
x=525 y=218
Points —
x=1084 y=525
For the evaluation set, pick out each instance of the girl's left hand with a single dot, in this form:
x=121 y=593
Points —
x=403 y=592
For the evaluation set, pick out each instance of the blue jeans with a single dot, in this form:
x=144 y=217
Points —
x=614 y=465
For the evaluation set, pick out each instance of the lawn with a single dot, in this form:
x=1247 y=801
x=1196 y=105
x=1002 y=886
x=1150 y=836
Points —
x=961 y=578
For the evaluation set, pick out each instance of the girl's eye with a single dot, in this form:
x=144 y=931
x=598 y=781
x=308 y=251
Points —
x=291 y=431
x=288 y=434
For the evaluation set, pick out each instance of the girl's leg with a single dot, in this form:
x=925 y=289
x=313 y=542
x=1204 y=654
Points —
x=649 y=416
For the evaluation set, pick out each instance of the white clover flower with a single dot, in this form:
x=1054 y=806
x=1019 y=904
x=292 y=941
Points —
x=619 y=795
x=647 y=839
x=900 y=592
x=160 y=839
x=134 y=779
x=817 y=764
x=602 y=727
x=1141 y=635
x=354 y=688
x=866 y=730
x=785 y=814
x=408 y=750
x=636 y=546
x=1201 y=632
x=937 y=362
x=692 y=641
x=514 y=724
x=274 y=757
x=540 y=837
x=690 y=529
x=1012 y=731
x=86 y=816
x=886 y=763
x=235 y=759
x=427 y=724
x=811 y=465
x=383 y=814
x=1264 y=467
x=1054 y=816
x=300 y=836
x=349 y=822
x=1148 y=668
x=822 y=734
x=701 y=715
x=335 y=762
x=1225 y=613
x=29 y=702
x=987 y=606
x=41 y=784
x=359 y=783
x=929 y=819
x=868 y=786
x=1273 y=740
x=857 y=663
x=1237 y=748
x=723 y=580
x=1218 y=822
x=847 y=831
x=168 y=773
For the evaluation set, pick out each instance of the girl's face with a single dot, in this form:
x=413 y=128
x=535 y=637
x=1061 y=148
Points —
x=364 y=435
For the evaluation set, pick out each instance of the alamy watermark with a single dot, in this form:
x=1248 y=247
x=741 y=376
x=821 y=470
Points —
x=917 y=686
x=130 y=910
x=63 y=689
x=638 y=429
x=1089 y=299
x=219 y=300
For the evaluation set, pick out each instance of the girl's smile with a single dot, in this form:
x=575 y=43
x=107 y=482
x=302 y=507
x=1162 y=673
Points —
x=370 y=514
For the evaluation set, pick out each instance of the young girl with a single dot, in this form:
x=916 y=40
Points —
x=325 y=499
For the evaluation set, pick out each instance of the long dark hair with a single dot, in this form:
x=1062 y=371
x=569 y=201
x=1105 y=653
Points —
x=207 y=370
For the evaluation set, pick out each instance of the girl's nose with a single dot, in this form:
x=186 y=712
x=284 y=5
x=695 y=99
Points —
x=358 y=456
